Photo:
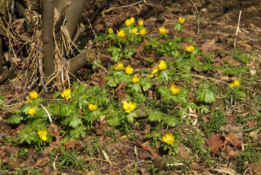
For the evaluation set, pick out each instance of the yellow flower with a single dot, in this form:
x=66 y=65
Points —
x=162 y=65
x=121 y=33
x=33 y=95
x=168 y=138
x=128 y=22
x=128 y=107
x=236 y=83
x=31 y=110
x=174 y=90
x=42 y=134
x=190 y=48
x=66 y=93
x=135 y=31
x=129 y=70
x=132 y=20
x=155 y=70
x=181 y=20
x=140 y=23
x=29 y=101
x=118 y=66
x=92 y=107
x=110 y=31
x=143 y=32
x=135 y=79
x=162 y=30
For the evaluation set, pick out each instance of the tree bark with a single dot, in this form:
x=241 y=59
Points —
x=1 y=56
x=73 y=15
x=47 y=37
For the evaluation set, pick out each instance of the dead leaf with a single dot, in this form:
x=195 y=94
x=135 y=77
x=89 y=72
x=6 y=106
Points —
x=141 y=112
x=99 y=128
x=42 y=161
x=73 y=143
x=122 y=146
x=254 y=135
x=20 y=127
x=229 y=127
x=146 y=131
x=229 y=152
x=233 y=62
x=231 y=138
x=255 y=167
x=183 y=153
x=225 y=78
x=148 y=148
x=245 y=45
x=209 y=46
x=91 y=173
x=196 y=167
x=215 y=143
x=101 y=82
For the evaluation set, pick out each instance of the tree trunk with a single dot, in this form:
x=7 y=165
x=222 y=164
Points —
x=47 y=37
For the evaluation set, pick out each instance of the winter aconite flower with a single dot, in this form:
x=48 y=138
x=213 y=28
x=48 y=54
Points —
x=162 y=65
x=118 y=66
x=132 y=20
x=174 y=89
x=190 y=48
x=128 y=107
x=168 y=138
x=128 y=22
x=121 y=34
x=31 y=110
x=92 y=107
x=135 y=79
x=129 y=70
x=140 y=23
x=110 y=31
x=162 y=30
x=155 y=70
x=143 y=32
x=66 y=93
x=42 y=134
x=33 y=95
x=181 y=20
x=134 y=31
x=235 y=83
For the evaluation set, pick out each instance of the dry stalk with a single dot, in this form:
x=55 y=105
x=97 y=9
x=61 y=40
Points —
x=238 y=24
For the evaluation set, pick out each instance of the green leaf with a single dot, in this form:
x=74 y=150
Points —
x=170 y=121
x=15 y=119
x=1 y=99
x=163 y=90
x=206 y=95
x=155 y=116
x=112 y=82
x=131 y=116
x=73 y=121
x=27 y=135
x=146 y=84
x=114 y=121
x=136 y=88
x=77 y=132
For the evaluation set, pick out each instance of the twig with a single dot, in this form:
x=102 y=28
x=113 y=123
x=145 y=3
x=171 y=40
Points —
x=41 y=70
x=196 y=13
x=113 y=8
x=31 y=17
x=238 y=23
x=16 y=98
